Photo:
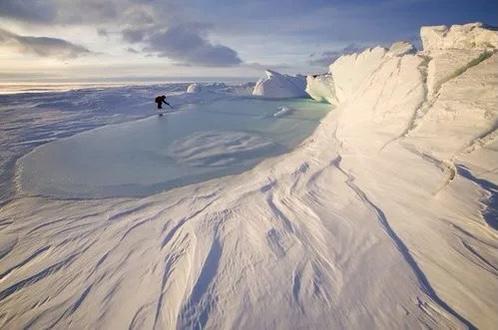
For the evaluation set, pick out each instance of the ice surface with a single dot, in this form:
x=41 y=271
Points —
x=187 y=145
x=32 y=119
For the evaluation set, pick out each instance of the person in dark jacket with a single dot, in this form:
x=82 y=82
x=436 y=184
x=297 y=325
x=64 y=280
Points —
x=160 y=100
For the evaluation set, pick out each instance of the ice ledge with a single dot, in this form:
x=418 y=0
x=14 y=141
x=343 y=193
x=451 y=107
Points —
x=467 y=36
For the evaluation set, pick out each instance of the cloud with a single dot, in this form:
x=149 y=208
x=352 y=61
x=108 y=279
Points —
x=62 y=11
x=42 y=46
x=327 y=58
x=187 y=45
x=132 y=50
x=276 y=67
x=164 y=29
x=102 y=32
x=28 y=10
x=133 y=35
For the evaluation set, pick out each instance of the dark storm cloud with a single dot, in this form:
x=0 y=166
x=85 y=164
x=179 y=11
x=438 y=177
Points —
x=42 y=46
x=187 y=45
x=132 y=50
x=139 y=21
x=59 y=11
x=133 y=35
x=28 y=10
x=102 y=32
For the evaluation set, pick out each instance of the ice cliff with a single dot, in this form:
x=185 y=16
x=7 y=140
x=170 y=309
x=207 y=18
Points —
x=445 y=96
x=427 y=121
x=276 y=85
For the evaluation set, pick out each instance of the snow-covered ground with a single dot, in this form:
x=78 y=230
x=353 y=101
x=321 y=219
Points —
x=385 y=217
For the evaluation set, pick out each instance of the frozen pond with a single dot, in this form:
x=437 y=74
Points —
x=191 y=144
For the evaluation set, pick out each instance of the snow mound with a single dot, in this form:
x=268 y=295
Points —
x=468 y=36
x=194 y=88
x=276 y=85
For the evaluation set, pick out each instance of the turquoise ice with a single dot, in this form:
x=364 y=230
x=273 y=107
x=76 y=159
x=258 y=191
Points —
x=190 y=144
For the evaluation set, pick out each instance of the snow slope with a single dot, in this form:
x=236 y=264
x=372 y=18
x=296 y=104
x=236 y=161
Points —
x=276 y=85
x=384 y=218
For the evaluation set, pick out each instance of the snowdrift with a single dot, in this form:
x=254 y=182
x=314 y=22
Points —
x=276 y=85
x=384 y=218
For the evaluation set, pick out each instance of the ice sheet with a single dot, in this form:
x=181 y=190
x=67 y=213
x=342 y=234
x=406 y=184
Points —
x=186 y=145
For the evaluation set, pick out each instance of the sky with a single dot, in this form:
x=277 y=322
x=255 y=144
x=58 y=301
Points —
x=113 y=40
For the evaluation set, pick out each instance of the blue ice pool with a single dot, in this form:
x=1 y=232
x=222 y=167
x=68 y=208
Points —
x=192 y=144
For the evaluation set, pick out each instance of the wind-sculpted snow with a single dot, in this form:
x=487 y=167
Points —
x=221 y=254
x=383 y=218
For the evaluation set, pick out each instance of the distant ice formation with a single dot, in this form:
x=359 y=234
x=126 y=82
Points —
x=276 y=85
x=194 y=88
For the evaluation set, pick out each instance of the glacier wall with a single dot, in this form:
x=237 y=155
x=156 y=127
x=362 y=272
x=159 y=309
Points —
x=444 y=97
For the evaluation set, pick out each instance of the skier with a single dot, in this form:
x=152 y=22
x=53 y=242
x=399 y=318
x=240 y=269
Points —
x=160 y=100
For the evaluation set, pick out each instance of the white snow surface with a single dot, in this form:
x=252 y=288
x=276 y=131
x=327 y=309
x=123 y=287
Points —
x=276 y=85
x=386 y=217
